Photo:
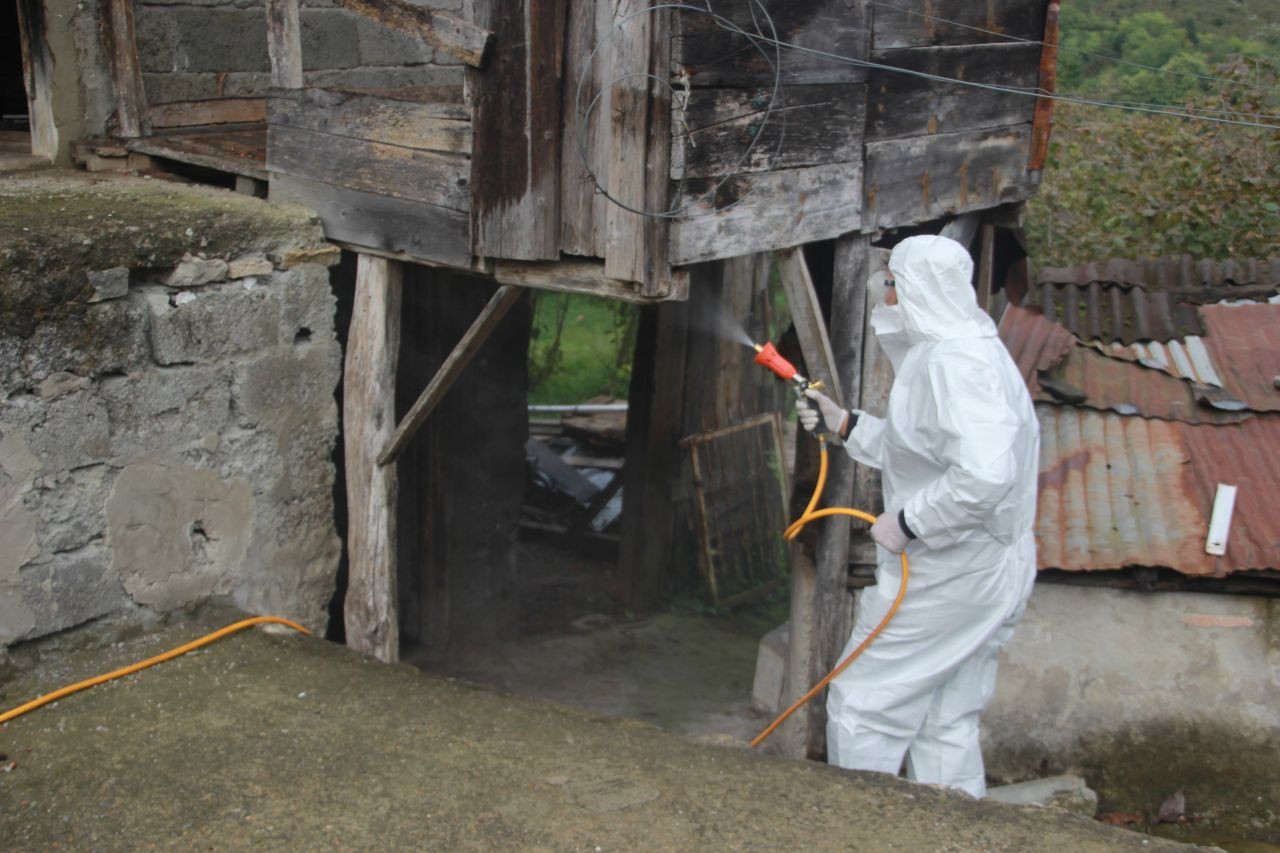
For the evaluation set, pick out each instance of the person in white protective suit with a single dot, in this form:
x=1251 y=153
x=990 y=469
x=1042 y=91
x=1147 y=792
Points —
x=958 y=450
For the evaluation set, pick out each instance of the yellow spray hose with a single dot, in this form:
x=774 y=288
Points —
x=160 y=658
x=791 y=533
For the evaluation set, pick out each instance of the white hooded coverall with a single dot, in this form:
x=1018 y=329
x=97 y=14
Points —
x=958 y=450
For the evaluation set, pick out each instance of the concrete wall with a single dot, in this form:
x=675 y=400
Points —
x=1143 y=694
x=195 y=49
x=166 y=403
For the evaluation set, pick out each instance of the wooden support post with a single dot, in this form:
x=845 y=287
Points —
x=877 y=379
x=126 y=71
x=625 y=256
x=498 y=306
x=652 y=456
x=806 y=313
x=986 y=266
x=368 y=416
x=284 y=44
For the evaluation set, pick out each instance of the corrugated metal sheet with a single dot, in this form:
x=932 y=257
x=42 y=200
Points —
x=1206 y=281
x=1059 y=369
x=1244 y=342
x=1188 y=358
x=1153 y=300
x=1120 y=491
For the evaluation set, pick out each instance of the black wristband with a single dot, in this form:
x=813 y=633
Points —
x=850 y=422
x=902 y=522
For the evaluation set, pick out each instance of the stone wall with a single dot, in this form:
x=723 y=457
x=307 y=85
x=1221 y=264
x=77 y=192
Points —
x=167 y=370
x=197 y=49
x=1144 y=694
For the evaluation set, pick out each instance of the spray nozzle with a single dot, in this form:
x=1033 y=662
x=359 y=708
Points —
x=767 y=354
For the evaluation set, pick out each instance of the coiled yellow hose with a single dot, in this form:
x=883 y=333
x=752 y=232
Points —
x=791 y=533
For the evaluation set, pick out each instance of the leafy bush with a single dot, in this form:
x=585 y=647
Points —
x=580 y=347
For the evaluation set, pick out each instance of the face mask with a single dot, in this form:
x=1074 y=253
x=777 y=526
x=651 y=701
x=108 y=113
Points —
x=890 y=328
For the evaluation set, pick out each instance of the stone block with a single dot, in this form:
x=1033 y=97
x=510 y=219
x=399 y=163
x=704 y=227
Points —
x=69 y=506
x=212 y=322
x=324 y=255
x=156 y=34
x=387 y=78
x=247 y=265
x=193 y=271
x=771 y=669
x=178 y=534
x=109 y=284
x=307 y=304
x=329 y=39
x=106 y=337
x=220 y=40
x=1064 y=792
x=159 y=412
x=381 y=45
x=72 y=588
x=70 y=431
x=57 y=384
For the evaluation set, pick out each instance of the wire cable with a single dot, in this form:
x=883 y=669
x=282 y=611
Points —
x=160 y=658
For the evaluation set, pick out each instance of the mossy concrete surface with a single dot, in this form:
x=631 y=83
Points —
x=278 y=740
x=56 y=225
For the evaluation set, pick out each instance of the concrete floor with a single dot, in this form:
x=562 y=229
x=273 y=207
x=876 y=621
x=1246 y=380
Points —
x=267 y=739
x=15 y=152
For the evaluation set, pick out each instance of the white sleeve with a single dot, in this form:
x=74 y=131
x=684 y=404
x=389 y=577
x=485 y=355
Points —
x=865 y=443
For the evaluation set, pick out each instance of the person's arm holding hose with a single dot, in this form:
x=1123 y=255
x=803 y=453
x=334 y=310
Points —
x=861 y=434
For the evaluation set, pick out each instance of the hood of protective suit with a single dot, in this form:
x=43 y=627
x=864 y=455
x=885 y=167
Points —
x=936 y=301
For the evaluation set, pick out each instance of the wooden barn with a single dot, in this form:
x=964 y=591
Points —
x=667 y=154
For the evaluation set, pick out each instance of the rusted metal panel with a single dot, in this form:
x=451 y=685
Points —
x=1107 y=312
x=1244 y=343
x=1120 y=491
x=1203 y=281
x=1042 y=121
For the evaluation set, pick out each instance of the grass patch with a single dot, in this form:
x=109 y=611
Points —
x=580 y=348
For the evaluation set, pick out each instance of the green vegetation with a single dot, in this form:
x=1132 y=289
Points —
x=580 y=347
x=1133 y=184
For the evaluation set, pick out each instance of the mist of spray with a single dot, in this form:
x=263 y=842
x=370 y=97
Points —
x=715 y=321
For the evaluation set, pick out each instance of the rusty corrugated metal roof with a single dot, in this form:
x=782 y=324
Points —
x=1154 y=300
x=1206 y=281
x=1119 y=491
x=1244 y=345
x=1059 y=369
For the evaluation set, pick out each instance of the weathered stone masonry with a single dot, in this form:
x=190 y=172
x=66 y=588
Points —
x=167 y=370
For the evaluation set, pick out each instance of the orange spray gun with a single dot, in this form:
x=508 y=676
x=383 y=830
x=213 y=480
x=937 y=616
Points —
x=767 y=354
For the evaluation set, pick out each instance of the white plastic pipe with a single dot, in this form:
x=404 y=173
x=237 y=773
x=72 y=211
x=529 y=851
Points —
x=1224 y=504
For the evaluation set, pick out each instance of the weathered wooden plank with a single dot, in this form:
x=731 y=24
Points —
x=656 y=282
x=1042 y=121
x=412 y=230
x=876 y=381
x=582 y=275
x=368 y=417
x=914 y=23
x=465 y=350
x=986 y=266
x=126 y=72
x=373 y=118
x=515 y=168
x=652 y=458
x=457 y=37
x=901 y=104
x=237 y=149
x=433 y=177
x=810 y=325
x=714 y=129
x=201 y=113
x=284 y=43
x=716 y=52
x=37 y=77
x=625 y=256
x=769 y=210
x=916 y=179
x=585 y=146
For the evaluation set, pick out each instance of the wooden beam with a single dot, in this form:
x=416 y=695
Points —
x=368 y=415
x=656 y=252
x=625 y=256
x=37 y=77
x=459 y=38
x=652 y=459
x=284 y=44
x=811 y=328
x=583 y=210
x=579 y=275
x=876 y=380
x=515 y=164
x=986 y=266
x=465 y=350
x=214 y=111
x=1042 y=120
x=126 y=72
